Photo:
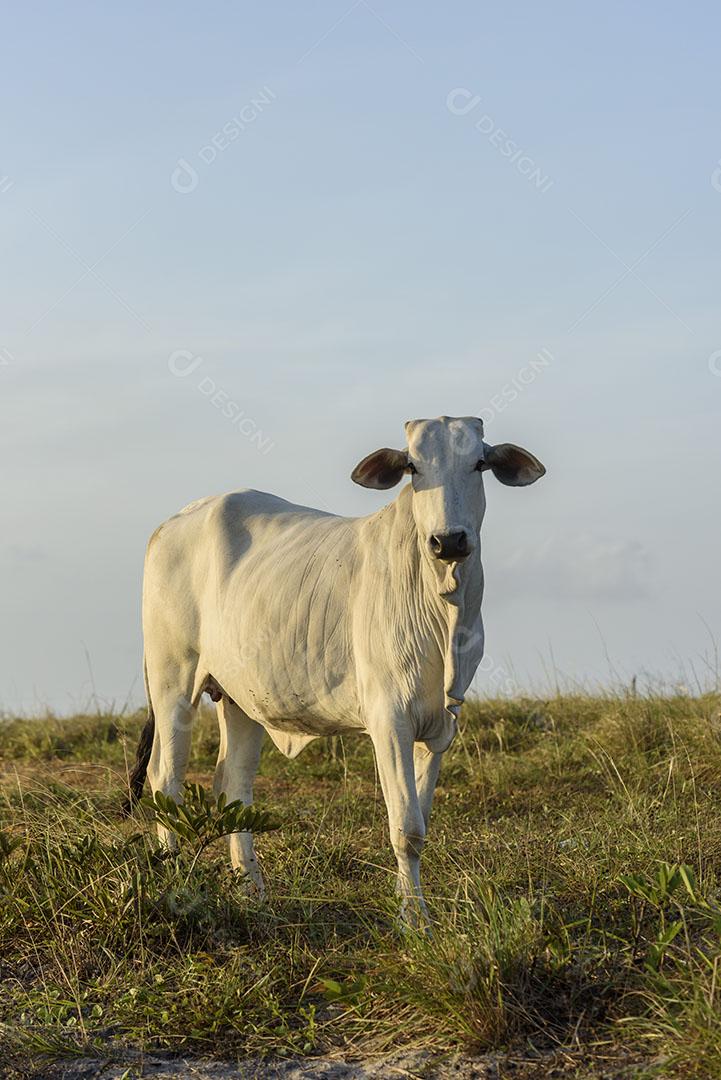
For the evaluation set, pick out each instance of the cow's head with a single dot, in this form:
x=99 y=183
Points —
x=446 y=459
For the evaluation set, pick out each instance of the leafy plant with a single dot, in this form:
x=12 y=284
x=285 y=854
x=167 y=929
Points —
x=347 y=993
x=661 y=889
x=201 y=819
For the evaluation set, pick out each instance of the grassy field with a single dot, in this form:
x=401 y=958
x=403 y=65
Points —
x=573 y=872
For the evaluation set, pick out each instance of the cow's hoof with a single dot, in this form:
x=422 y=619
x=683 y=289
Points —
x=251 y=884
x=413 y=918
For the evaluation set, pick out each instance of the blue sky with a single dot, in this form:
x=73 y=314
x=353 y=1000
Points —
x=409 y=205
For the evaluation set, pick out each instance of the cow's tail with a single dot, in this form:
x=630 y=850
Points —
x=136 y=780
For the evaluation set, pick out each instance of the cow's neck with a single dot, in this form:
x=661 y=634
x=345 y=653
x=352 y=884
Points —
x=445 y=600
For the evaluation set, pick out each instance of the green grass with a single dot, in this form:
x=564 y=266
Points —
x=561 y=917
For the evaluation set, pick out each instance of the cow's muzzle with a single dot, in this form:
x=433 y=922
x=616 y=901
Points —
x=450 y=546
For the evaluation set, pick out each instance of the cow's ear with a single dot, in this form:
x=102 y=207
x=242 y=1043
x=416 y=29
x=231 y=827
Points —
x=381 y=469
x=513 y=465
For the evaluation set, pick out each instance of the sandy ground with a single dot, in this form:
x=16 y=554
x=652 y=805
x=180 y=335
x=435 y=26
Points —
x=180 y=1068
x=412 y=1065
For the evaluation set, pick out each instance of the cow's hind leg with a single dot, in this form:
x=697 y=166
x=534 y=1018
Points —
x=171 y=692
x=238 y=759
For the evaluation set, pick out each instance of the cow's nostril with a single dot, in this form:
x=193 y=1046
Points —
x=450 y=546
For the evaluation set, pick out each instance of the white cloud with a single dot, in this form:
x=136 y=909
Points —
x=583 y=566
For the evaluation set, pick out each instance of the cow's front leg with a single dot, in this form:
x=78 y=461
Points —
x=427 y=767
x=393 y=744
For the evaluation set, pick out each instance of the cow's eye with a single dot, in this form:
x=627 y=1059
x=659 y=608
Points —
x=481 y=465
x=412 y=468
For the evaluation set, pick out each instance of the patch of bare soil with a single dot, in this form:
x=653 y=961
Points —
x=413 y=1065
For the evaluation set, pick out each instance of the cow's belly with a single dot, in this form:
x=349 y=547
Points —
x=303 y=687
x=308 y=724
x=276 y=704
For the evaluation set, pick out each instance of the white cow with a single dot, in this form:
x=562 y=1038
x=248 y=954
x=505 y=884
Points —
x=302 y=624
